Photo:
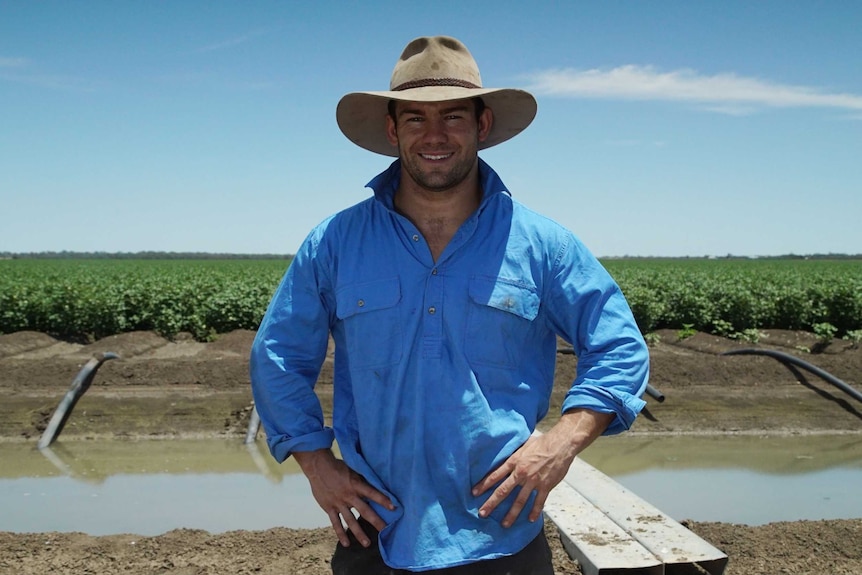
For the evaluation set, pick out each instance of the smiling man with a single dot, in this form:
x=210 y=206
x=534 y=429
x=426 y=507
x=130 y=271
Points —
x=445 y=298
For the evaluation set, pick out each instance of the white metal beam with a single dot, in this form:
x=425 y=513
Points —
x=611 y=531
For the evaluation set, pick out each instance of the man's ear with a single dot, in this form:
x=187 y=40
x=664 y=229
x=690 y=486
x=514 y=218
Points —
x=391 y=134
x=486 y=120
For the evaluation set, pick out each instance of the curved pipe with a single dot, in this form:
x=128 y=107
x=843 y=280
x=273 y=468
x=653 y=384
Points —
x=650 y=390
x=793 y=360
x=654 y=393
x=80 y=384
x=253 y=427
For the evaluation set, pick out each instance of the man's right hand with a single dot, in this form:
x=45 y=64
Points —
x=338 y=490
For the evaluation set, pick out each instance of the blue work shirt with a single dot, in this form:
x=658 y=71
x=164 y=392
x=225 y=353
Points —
x=442 y=369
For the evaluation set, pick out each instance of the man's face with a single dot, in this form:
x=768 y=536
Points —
x=438 y=142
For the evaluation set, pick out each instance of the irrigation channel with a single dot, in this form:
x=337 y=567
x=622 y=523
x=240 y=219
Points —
x=149 y=487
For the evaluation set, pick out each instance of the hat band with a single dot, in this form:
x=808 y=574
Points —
x=427 y=82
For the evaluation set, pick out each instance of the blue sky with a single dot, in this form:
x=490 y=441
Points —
x=664 y=128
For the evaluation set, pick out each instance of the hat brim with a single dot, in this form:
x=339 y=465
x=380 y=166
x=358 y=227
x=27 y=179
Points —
x=362 y=115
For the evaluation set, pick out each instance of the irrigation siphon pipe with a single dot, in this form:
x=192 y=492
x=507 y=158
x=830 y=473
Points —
x=80 y=384
x=787 y=358
x=253 y=427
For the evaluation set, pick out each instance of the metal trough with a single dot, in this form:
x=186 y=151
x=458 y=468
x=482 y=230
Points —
x=611 y=531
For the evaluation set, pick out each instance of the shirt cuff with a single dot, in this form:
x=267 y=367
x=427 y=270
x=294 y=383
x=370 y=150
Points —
x=281 y=446
x=625 y=406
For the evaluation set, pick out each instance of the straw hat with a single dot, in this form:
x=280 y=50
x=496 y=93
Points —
x=432 y=69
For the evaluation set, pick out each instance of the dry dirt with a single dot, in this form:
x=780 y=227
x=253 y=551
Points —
x=184 y=388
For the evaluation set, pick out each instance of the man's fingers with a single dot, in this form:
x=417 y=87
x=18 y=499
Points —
x=517 y=506
x=491 y=479
x=368 y=513
x=368 y=492
x=355 y=528
x=338 y=527
x=538 y=505
x=497 y=497
x=504 y=490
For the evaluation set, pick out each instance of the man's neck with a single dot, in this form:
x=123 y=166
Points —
x=437 y=214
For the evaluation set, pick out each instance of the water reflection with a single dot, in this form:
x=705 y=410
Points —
x=621 y=455
x=149 y=487
x=95 y=461
x=739 y=479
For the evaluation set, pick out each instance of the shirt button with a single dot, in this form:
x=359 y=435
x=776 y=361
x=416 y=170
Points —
x=434 y=272
x=361 y=303
x=415 y=237
x=432 y=310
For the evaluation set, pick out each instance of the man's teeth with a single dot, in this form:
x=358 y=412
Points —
x=435 y=156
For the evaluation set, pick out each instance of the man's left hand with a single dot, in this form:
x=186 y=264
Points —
x=541 y=463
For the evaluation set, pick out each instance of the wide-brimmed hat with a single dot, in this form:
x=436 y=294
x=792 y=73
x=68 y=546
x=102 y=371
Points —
x=432 y=69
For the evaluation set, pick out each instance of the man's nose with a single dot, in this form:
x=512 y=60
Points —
x=435 y=129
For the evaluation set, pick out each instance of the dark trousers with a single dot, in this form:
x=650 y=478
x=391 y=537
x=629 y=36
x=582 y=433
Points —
x=534 y=559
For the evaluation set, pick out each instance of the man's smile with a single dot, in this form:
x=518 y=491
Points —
x=436 y=157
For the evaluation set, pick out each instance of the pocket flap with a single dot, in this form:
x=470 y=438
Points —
x=506 y=295
x=369 y=296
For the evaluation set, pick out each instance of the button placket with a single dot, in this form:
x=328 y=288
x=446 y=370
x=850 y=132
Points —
x=433 y=322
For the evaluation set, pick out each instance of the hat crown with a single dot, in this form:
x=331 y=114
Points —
x=435 y=61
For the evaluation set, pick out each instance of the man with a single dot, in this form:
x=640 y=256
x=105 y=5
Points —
x=444 y=298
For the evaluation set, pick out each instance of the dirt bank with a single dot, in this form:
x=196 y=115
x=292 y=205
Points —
x=184 y=388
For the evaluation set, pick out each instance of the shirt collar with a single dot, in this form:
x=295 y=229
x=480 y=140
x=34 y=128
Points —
x=386 y=182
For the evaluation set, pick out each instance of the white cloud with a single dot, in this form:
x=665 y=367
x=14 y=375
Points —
x=726 y=93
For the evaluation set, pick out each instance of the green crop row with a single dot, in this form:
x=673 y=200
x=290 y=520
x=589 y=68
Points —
x=727 y=297
x=90 y=299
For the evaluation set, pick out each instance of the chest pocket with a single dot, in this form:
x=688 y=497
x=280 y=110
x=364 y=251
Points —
x=372 y=322
x=500 y=320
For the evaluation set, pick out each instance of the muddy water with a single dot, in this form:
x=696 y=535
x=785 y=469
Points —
x=739 y=479
x=149 y=487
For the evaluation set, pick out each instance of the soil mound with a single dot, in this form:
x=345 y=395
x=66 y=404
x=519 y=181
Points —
x=185 y=388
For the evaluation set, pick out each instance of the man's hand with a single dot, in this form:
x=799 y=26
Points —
x=541 y=463
x=338 y=490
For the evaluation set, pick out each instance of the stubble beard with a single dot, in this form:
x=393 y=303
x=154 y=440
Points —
x=436 y=180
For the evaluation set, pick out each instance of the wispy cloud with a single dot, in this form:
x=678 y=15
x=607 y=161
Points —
x=231 y=42
x=632 y=143
x=724 y=93
x=53 y=81
x=22 y=71
x=7 y=62
x=211 y=80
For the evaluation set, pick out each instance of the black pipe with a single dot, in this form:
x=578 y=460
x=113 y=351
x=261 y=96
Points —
x=786 y=358
x=654 y=393
x=80 y=384
x=650 y=390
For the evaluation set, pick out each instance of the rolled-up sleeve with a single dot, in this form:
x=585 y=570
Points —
x=613 y=360
x=286 y=358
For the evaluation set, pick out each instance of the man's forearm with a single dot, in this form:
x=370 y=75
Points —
x=578 y=428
